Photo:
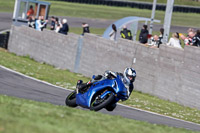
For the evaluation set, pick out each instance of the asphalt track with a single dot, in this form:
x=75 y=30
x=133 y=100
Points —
x=15 y=84
x=6 y=21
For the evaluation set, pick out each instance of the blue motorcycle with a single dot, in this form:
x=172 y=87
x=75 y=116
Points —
x=101 y=94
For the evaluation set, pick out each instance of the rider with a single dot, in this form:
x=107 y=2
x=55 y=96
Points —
x=128 y=78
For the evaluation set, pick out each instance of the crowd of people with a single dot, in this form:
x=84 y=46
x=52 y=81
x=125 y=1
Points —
x=192 y=38
x=57 y=25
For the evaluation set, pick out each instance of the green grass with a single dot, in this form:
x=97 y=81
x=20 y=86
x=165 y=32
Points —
x=59 y=8
x=176 y=2
x=97 y=31
x=68 y=80
x=26 y=116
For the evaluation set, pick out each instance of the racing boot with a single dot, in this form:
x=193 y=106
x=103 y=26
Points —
x=78 y=86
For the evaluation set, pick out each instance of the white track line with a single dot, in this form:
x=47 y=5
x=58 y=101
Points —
x=4 y=31
x=72 y=90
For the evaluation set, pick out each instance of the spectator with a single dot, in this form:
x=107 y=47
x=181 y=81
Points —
x=58 y=25
x=187 y=40
x=190 y=37
x=53 y=23
x=30 y=12
x=31 y=22
x=196 y=39
x=143 y=37
x=43 y=22
x=39 y=25
x=125 y=33
x=190 y=30
x=174 y=41
x=65 y=28
x=113 y=33
x=86 y=28
x=161 y=36
x=154 y=43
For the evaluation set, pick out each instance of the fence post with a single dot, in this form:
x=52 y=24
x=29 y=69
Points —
x=78 y=54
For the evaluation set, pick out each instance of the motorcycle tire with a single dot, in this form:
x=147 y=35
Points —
x=71 y=99
x=111 y=107
x=106 y=102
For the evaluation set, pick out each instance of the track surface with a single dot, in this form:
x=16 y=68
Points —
x=18 y=85
x=6 y=21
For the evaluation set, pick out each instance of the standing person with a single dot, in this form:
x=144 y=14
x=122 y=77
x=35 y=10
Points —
x=43 y=22
x=154 y=43
x=39 y=25
x=196 y=39
x=125 y=33
x=58 y=25
x=143 y=35
x=86 y=28
x=161 y=36
x=30 y=12
x=53 y=23
x=65 y=28
x=174 y=41
x=113 y=33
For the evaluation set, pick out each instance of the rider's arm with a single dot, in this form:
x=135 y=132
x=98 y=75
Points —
x=110 y=74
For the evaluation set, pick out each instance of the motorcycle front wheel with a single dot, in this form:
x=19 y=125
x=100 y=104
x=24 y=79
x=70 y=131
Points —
x=71 y=99
x=100 y=103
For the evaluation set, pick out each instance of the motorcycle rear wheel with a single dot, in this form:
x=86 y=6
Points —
x=96 y=107
x=71 y=99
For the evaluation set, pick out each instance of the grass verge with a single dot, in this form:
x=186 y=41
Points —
x=26 y=116
x=68 y=80
x=176 y=2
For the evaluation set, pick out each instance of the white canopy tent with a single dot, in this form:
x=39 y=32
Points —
x=131 y=23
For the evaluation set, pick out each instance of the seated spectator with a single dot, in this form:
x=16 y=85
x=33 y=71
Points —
x=196 y=39
x=154 y=42
x=39 y=25
x=53 y=23
x=86 y=28
x=31 y=22
x=174 y=41
x=143 y=37
x=65 y=28
x=30 y=12
x=187 y=40
x=113 y=33
x=125 y=33
x=190 y=37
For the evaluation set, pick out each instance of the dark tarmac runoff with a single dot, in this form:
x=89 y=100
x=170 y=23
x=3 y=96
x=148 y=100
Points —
x=6 y=21
x=18 y=85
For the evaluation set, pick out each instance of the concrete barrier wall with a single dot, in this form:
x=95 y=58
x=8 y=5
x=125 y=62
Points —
x=167 y=72
x=55 y=49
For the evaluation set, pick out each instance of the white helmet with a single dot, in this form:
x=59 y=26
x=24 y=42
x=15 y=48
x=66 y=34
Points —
x=130 y=74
